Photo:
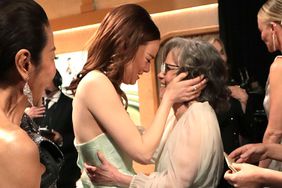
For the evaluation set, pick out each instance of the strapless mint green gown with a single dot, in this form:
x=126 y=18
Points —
x=87 y=152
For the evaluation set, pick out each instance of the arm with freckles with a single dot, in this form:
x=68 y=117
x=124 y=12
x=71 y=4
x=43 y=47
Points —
x=105 y=105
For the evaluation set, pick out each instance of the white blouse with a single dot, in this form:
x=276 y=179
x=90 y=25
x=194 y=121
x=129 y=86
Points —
x=192 y=156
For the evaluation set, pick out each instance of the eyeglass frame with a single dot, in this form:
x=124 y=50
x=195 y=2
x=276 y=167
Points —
x=165 y=67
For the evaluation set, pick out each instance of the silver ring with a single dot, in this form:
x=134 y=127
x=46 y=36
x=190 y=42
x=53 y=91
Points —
x=194 y=88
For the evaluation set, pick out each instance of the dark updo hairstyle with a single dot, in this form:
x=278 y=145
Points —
x=116 y=42
x=22 y=26
x=200 y=58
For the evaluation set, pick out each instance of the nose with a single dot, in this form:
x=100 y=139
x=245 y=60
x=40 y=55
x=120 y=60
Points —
x=161 y=75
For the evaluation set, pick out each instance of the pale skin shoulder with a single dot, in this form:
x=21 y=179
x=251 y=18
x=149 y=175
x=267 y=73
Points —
x=19 y=159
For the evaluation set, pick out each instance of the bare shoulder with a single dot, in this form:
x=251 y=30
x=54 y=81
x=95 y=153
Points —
x=95 y=83
x=95 y=77
x=16 y=142
x=19 y=158
x=276 y=66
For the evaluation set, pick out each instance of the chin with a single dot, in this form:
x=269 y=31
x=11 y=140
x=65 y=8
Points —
x=133 y=82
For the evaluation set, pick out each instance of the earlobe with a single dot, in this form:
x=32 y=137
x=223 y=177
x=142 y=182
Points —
x=22 y=62
x=273 y=26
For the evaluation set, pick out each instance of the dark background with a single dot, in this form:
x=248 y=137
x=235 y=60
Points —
x=241 y=37
x=246 y=51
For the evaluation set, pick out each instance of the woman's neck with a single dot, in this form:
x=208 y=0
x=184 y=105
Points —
x=180 y=108
x=12 y=103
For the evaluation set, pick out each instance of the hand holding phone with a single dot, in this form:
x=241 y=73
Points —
x=229 y=162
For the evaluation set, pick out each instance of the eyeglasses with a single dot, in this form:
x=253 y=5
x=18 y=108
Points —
x=167 y=67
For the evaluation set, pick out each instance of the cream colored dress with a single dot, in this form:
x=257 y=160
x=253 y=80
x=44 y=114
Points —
x=192 y=156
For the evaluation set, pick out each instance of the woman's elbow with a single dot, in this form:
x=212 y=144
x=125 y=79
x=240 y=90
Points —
x=273 y=136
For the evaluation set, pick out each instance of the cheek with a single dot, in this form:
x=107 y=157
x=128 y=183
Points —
x=46 y=74
x=263 y=37
x=49 y=69
x=266 y=36
x=169 y=77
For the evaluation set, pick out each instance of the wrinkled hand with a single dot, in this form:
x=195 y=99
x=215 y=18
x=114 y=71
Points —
x=239 y=93
x=251 y=153
x=248 y=176
x=105 y=174
x=35 y=112
x=186 y=90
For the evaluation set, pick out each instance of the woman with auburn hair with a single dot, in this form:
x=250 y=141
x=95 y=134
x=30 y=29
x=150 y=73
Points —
x=123 y=48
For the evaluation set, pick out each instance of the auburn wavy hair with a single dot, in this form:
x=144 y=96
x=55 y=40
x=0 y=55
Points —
x=116 y=42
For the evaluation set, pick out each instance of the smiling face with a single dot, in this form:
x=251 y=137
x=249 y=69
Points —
x=165 y=76
x=141 y=63
x=43 y=74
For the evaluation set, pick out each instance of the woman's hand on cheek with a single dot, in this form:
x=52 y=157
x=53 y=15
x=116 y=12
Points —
x=186 y=90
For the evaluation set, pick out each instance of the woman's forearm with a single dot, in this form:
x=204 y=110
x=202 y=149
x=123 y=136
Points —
x=123 y=180
x=270 y=137
x=274 y=151
x=152 y=136
x=271 y=178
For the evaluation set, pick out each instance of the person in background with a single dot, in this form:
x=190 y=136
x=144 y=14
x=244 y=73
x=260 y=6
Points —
x=191 y=153
x=27 y=65
x=123 y=48
x=234 y=122
x=269 y=23
x=58 y=119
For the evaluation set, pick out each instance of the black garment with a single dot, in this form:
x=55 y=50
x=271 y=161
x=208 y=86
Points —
x=59 y=118
x=233 y=123
x=50 y=155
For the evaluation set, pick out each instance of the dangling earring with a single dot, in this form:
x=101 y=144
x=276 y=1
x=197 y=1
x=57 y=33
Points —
x=273 y=42
x=27 y=92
